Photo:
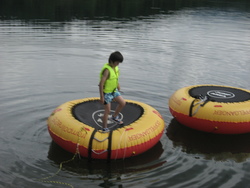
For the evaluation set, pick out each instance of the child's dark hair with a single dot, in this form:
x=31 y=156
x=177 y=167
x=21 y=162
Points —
x=116 y=56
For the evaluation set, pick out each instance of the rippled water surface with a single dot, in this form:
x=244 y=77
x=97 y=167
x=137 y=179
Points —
x=44 y=64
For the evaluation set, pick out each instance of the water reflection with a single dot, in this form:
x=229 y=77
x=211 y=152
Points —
x=83 y=166
x=212 y=146
x=64 y=10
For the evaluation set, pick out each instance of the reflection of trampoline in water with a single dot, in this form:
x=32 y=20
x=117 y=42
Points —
x=212 y=146
x=76 y=127
x=148 y=160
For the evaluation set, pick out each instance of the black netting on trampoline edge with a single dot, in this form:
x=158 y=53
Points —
x=220 y=93
x=86 y=112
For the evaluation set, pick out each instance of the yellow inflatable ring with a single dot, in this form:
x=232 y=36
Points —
x=212 y=108
x=76 y=126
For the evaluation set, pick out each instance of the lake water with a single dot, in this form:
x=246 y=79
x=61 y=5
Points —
x=46 y=62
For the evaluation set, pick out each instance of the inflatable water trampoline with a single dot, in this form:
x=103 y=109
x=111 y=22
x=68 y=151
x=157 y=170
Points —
x=76 y=126
x=212 y=108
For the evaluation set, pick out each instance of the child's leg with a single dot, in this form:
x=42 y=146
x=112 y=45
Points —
x=121 y=104
x=106 y=114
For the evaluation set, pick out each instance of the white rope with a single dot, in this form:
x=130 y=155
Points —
x=100 y=140
x=119 y=144
x=125 y=147
x=100 y=152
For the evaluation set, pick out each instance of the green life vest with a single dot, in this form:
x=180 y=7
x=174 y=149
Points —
x=112 y=82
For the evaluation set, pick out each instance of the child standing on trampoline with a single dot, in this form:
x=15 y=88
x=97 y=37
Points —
x=109 y=88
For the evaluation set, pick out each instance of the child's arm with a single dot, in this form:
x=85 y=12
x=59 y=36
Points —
x=101 y=84
x=118 y=87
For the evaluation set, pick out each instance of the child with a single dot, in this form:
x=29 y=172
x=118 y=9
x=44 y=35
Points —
x=109 y=88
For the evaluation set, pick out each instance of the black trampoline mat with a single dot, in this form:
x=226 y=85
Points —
x=91 y=112
x=220 y=93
